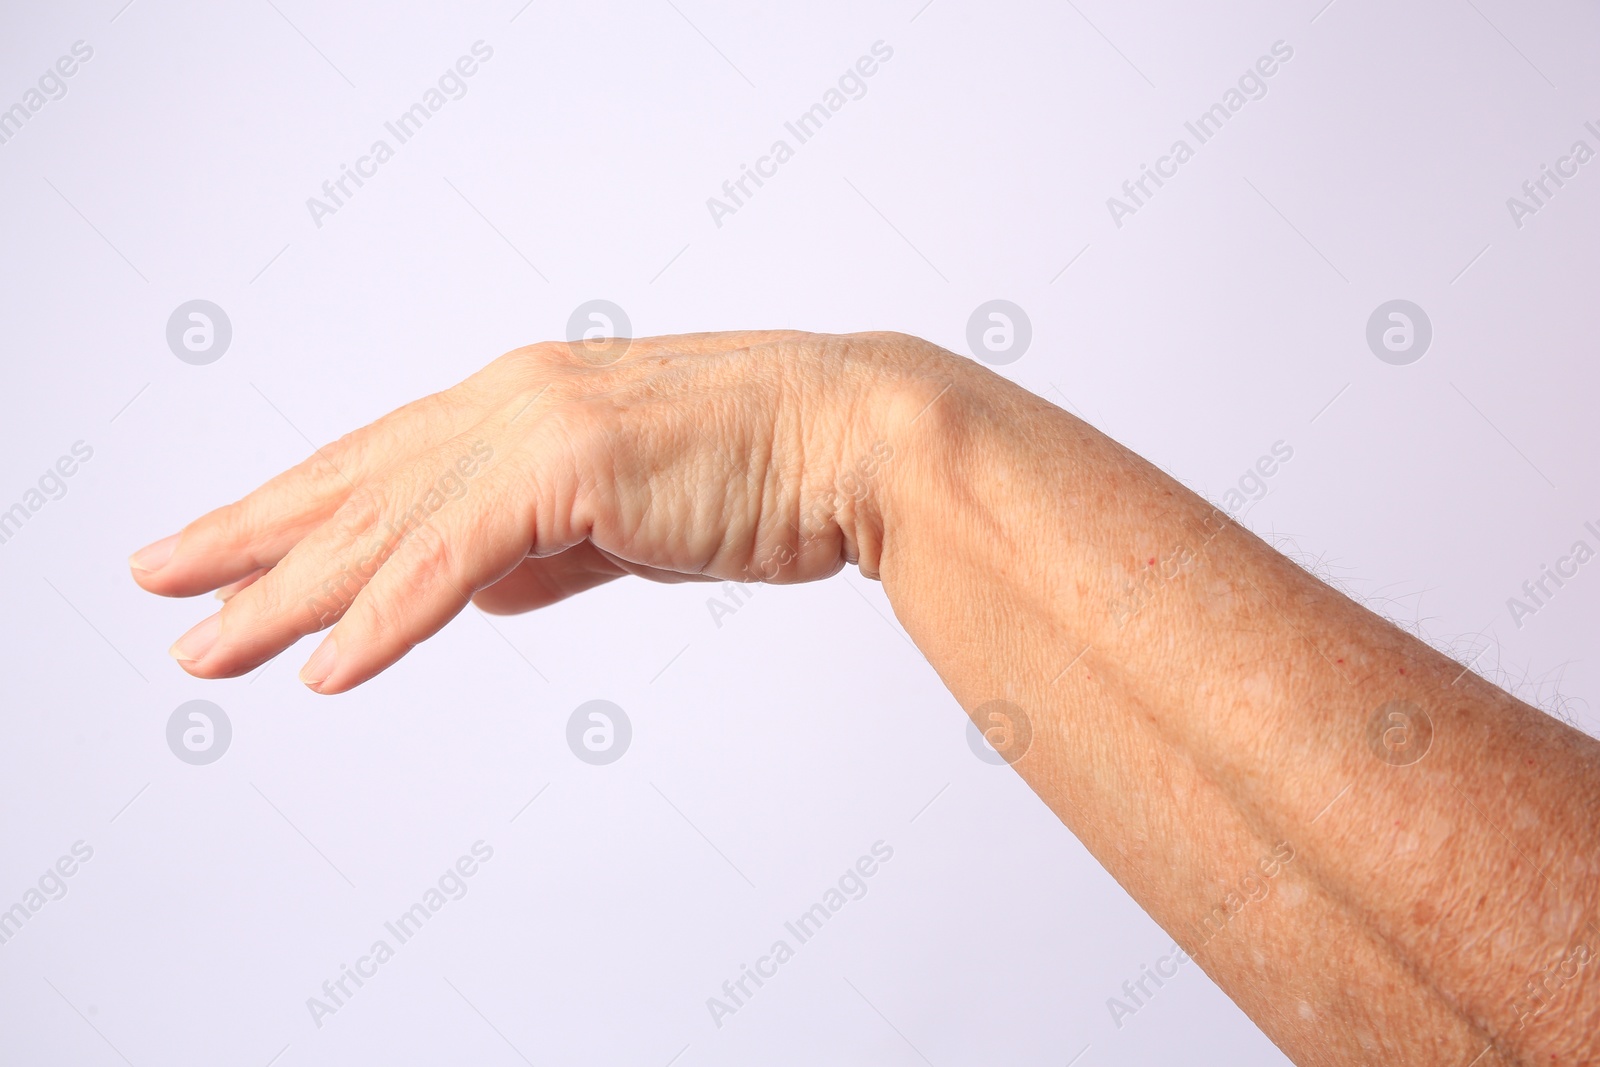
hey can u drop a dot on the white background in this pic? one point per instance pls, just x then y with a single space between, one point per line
769 753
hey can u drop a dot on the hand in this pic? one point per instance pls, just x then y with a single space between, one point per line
1226 720
742 456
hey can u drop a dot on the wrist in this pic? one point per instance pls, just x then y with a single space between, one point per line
897 427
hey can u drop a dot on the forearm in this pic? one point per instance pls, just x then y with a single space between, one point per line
1202 709
1200 706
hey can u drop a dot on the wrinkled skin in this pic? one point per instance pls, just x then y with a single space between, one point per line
689 458
1202 710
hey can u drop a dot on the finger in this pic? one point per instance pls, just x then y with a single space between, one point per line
540 581
437 572
227 592
537 582
257 531
316 582
424 583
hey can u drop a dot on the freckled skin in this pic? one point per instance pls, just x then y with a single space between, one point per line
1432 907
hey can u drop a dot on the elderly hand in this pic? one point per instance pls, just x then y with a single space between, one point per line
743 456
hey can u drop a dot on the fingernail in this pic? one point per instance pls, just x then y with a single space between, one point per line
320 665
154 557
197 642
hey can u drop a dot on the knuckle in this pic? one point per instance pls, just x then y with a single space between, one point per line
250 528
421 559
322 473
425 557
360 512
241 526
530 361
564 393
271 604
580 428
233 524
374 614
321 606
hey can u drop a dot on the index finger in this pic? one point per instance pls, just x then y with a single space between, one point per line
258 530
